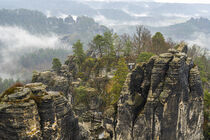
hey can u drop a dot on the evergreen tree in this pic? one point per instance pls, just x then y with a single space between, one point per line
79 52
109 44
56 64
158 43
97 45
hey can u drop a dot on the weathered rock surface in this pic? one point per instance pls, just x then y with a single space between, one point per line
162 99
32 112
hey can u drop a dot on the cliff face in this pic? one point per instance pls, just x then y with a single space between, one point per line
162 99
31 112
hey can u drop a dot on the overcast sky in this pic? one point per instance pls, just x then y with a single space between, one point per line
168 1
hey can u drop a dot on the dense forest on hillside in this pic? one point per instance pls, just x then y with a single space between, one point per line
38 23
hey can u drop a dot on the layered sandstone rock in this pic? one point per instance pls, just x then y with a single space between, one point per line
162 99
31 112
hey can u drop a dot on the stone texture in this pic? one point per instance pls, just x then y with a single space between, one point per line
162 99
32 112
55 81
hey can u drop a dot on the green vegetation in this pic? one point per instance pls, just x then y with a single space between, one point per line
79 52
144 57
36 59
56 64
159 44
118 81
80 95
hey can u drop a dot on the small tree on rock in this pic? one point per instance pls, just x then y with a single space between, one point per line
79 52
56 64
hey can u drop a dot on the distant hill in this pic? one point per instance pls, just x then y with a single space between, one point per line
35 22
116 12
185 31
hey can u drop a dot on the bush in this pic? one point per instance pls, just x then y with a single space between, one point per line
80 95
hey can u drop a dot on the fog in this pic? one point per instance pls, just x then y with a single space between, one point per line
15 42
146 22
200 39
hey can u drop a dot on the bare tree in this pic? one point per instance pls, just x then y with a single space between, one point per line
142 39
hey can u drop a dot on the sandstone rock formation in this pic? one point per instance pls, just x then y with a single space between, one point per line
32 112
162 100
56 81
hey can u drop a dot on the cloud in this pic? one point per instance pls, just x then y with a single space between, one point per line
176 15
135 14
62 15
16 38
143 20
105 21
48 13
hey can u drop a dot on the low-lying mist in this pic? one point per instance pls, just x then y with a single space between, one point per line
16 43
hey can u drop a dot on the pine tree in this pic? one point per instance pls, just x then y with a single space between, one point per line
56 64
79 52
158 43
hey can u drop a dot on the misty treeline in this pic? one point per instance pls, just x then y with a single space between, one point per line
130 46
39 59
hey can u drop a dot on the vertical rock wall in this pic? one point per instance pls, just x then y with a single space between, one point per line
162 99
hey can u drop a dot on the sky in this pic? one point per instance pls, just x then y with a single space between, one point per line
167 1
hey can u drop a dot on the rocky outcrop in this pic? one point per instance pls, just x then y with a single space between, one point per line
61 80
32 112
162 99
54 82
